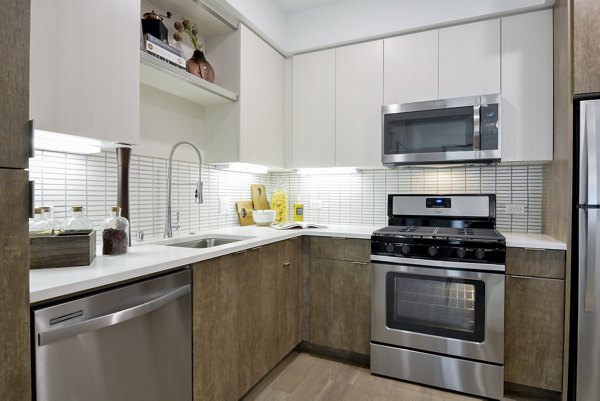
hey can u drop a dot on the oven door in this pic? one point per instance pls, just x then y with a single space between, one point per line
442 310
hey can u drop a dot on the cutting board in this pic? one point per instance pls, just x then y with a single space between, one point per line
259 197
244 210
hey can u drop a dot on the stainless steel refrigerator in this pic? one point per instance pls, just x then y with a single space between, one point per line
585 362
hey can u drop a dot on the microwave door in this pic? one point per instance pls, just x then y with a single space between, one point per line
430 131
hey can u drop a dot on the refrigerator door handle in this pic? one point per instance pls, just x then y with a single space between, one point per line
588 258
583 155
592 124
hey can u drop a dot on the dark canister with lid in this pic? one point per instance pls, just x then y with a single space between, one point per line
115 233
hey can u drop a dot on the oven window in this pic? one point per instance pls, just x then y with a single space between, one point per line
431 131
446 307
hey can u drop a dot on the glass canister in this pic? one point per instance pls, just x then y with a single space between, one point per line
279 203
115 233
48 216
77 223
38 226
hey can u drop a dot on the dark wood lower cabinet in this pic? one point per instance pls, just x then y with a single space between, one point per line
534 332
15 361
340 304
247 317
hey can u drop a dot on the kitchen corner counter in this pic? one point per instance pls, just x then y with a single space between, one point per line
150 258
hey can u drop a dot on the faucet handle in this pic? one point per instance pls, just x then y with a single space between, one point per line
199 198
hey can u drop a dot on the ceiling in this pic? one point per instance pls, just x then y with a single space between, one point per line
299 26
293 6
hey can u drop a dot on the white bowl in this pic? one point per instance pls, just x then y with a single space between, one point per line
264 217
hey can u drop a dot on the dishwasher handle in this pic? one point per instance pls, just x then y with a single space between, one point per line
59 333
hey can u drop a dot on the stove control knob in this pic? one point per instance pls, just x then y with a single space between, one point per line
432 251
479 253
461 252
390 248
405 249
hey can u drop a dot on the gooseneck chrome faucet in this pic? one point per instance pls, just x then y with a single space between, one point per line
198 194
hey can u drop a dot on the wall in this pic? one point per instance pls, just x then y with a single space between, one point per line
64 180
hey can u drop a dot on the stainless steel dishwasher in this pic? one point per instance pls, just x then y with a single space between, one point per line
126 344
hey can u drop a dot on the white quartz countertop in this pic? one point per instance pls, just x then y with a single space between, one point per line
150 258
533 241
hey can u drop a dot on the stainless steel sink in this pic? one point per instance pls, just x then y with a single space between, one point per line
205 242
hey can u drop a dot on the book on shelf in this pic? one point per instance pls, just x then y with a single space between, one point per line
163 51
296 224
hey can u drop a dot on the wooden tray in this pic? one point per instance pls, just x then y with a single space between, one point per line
62 250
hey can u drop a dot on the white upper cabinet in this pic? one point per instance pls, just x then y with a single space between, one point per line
358 101
85 68
251 129
313 116
527 93
411 68
261 97
469 61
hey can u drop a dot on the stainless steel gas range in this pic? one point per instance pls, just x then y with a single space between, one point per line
437 295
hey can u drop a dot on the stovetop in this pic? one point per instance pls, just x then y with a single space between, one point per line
441 227
472 234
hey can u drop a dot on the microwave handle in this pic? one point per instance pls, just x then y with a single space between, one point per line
476 128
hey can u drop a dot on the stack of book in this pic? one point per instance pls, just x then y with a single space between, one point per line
163 51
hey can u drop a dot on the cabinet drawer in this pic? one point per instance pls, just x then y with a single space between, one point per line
535 262
358 250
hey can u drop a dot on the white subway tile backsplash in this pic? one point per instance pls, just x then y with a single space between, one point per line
64 180
368 190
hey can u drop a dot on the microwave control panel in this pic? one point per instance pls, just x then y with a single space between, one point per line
488 115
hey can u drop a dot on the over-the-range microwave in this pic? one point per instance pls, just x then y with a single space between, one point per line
465 129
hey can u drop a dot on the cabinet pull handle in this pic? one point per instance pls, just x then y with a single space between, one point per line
292 239
256 248
523 277
535 249
31 129
340 238
239 252
31 198
360 263
286 264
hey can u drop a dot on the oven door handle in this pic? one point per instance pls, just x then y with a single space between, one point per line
439 264
488 277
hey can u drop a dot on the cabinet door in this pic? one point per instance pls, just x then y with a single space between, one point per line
533 339
527 68
14 85
469 59
219 304
313 116
340 304
261 336
586 46
410 68
15 368
85 68
358 101
261 97
290 294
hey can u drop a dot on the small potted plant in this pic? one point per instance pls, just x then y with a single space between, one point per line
197 65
